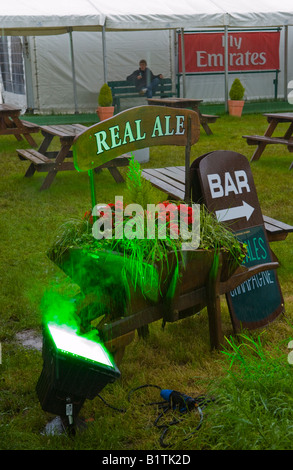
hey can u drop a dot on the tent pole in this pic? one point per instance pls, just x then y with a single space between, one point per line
30 102
285 61
226 68
183 63
104 54
73 71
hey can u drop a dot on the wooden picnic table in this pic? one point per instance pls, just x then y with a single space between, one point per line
54 161
11 124
192 103
263 140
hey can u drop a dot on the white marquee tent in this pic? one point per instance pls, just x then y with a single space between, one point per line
146 26
32 17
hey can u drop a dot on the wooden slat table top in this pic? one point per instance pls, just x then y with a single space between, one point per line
161 174
175 102
8 108
65 130
170 180
286 117
268 140
175 173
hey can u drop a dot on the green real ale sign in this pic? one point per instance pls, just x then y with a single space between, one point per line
134 129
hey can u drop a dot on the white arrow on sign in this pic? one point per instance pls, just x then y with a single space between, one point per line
235 212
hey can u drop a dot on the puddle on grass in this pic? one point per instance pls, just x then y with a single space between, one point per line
30 339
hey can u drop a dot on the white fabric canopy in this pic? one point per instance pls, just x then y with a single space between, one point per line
35 17
258 13
196 14
166 14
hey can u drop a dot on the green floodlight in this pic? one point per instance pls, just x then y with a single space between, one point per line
75 368
69 342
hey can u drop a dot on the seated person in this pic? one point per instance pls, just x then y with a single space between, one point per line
144 79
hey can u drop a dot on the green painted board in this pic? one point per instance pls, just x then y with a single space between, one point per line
258 300
133 129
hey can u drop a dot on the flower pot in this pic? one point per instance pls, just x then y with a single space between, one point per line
235 107
105 112
105 276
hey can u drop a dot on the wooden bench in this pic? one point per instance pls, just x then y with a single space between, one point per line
39 161
262 141
258 139
125 89
43 163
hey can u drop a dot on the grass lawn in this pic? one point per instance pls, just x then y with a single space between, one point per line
250 377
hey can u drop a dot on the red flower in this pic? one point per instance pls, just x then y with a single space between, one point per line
89 217
165 203
174 229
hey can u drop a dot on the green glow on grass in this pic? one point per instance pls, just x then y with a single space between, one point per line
68 341
59 309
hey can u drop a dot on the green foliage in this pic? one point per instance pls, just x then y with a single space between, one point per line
237 90
254 404
139 190
216 236
105 96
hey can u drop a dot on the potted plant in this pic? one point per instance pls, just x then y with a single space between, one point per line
105 109
236 102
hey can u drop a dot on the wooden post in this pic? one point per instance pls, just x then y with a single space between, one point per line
187 162
92 186
213 302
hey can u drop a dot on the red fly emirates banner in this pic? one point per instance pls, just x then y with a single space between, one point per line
204 52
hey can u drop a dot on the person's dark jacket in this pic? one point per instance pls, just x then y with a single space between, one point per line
147 78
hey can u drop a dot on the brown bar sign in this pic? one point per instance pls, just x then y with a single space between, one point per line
228 190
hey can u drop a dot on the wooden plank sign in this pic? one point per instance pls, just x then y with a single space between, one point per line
228 190
133 129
